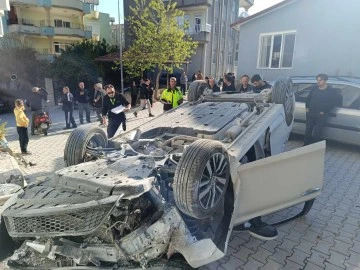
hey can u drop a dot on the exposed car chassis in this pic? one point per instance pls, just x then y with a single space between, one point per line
175 185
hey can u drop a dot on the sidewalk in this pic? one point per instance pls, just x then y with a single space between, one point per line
48 151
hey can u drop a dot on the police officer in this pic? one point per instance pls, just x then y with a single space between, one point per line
172 97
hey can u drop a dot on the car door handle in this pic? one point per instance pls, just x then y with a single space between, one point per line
310 191
331 114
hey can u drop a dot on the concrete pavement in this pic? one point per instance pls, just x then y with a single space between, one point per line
327 238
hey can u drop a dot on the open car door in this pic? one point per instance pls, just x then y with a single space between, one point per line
278 182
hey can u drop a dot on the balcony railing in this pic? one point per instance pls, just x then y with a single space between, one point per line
200 32
192 3
49 28
73 4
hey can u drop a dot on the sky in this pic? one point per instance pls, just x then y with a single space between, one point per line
111 7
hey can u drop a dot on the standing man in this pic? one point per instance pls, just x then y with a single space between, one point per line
145 91
111 101
228 85
83 102
172 97
183 82
134 93
259 84
320 101
213 86
68 108
98 100
244 85
36 101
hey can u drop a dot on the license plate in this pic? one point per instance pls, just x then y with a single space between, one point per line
43 125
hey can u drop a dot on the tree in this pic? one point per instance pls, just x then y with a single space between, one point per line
157 38
77 63
20 68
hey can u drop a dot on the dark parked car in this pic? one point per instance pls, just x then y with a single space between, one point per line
4 106
343 123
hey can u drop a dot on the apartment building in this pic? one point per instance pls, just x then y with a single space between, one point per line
209 24
116 29
48 25
4 6
100 25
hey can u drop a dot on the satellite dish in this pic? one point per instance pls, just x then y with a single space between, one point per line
13 77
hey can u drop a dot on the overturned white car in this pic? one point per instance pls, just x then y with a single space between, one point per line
169 192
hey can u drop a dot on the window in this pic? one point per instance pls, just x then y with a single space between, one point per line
350 96
59 47
186 22
61 23
197 23
214 55
230 59
276 50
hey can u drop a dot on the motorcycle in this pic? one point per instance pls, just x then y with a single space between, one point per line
42 123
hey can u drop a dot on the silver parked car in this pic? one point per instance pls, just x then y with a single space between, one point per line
343 123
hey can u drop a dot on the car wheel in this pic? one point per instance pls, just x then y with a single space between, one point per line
79 140
282 93
307 207
201 178
195 90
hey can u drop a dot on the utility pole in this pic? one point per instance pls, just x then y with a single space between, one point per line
120 51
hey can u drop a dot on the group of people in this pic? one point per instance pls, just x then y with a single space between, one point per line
228 83
103 100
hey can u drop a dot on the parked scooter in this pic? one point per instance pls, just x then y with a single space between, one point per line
42 123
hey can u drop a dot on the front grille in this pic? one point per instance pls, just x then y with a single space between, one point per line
76 222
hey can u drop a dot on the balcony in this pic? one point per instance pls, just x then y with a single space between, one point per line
77 5
48 28
65 4
246 4
184 4
200 33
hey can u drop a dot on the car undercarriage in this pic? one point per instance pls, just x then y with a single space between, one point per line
169 191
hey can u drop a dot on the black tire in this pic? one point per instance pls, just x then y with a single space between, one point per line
7 244
195 90
282 93
79 139
195 185
45 132
307 207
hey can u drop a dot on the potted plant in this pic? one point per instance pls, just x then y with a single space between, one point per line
3 142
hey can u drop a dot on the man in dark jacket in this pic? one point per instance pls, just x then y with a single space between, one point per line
244 85
98 100
111 101
36 102
134 90
83 103
259 83
213 86
320 101
68 108
145 92
228 85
